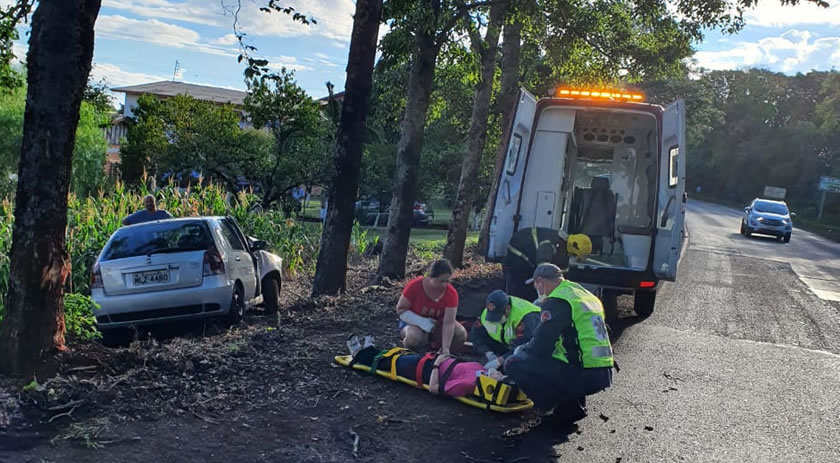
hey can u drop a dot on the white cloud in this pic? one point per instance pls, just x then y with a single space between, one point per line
288 62
115 76
228 39
155 32
19 50
773 14
793 51
193 11
334 18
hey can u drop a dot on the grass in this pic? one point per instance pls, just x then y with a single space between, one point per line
428 243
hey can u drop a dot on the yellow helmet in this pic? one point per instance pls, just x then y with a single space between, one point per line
579 245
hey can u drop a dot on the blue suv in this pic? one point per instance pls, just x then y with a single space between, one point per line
767 217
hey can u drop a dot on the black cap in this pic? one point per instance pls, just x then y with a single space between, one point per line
500 301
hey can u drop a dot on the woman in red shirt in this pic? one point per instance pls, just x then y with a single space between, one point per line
427 310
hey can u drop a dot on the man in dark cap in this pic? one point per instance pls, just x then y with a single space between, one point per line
505 323
570 355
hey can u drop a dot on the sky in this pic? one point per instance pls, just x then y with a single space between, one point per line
140 41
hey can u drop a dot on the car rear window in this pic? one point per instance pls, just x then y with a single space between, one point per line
771 208
156 238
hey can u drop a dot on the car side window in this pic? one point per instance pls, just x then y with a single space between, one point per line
231 236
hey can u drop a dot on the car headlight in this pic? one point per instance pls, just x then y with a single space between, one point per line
785 221
760 219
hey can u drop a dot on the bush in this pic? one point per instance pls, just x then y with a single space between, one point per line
78 316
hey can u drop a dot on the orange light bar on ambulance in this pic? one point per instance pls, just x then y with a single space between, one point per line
607 94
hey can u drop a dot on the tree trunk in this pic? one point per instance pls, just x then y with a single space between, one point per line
58 64
331 270
401 217
507 101
457 236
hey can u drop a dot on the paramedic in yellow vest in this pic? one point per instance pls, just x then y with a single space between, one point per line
570 356
505 323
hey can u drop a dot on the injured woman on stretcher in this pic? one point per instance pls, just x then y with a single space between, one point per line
443 374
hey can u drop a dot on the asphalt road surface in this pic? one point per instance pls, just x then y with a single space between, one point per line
740 361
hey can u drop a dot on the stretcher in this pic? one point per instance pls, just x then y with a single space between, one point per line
489 394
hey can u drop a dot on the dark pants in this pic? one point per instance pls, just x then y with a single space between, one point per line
550 382
482 342
517 271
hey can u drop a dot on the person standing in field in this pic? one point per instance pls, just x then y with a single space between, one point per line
149 214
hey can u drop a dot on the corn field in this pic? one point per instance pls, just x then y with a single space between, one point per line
92 220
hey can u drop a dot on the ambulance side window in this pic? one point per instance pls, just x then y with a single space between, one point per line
673 175
513 154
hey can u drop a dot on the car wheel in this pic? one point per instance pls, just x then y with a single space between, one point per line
237 306
115 337
643 303
742 228
747 231
271 294
786 239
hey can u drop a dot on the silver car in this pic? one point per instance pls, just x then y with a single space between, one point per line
767 217
181 269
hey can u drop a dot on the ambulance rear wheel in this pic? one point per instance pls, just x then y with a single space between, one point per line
643 303
610 301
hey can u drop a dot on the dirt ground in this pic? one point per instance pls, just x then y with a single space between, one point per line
265 391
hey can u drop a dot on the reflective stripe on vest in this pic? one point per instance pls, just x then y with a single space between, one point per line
520 254
505 333
588 321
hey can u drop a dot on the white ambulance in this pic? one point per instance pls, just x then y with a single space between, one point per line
602 163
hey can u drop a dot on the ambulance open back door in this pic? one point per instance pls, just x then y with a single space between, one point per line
670 207
510 182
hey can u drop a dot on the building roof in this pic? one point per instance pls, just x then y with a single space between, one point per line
200 92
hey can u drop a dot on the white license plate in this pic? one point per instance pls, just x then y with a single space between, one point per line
151 278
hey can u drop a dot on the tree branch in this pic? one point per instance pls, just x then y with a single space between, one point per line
461 9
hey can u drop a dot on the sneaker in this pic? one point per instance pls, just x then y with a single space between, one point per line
353 344
368 341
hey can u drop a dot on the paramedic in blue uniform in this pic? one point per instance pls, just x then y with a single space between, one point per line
528 248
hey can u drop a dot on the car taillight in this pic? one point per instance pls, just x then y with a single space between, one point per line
647 284
96 277
213 263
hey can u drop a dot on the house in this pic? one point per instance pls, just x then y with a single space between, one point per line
168 89
164 89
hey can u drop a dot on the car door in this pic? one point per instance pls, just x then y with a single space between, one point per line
242 261
670 223
510 180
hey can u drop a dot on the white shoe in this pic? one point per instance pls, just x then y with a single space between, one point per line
353 344
368 341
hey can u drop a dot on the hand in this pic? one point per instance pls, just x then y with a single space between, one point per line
440 358
493 364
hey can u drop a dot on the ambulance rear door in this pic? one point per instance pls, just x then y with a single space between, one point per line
670 208
510 180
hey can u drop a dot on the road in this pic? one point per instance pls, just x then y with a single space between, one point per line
815 260
739 362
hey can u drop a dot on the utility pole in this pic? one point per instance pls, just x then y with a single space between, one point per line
175 73
822 204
